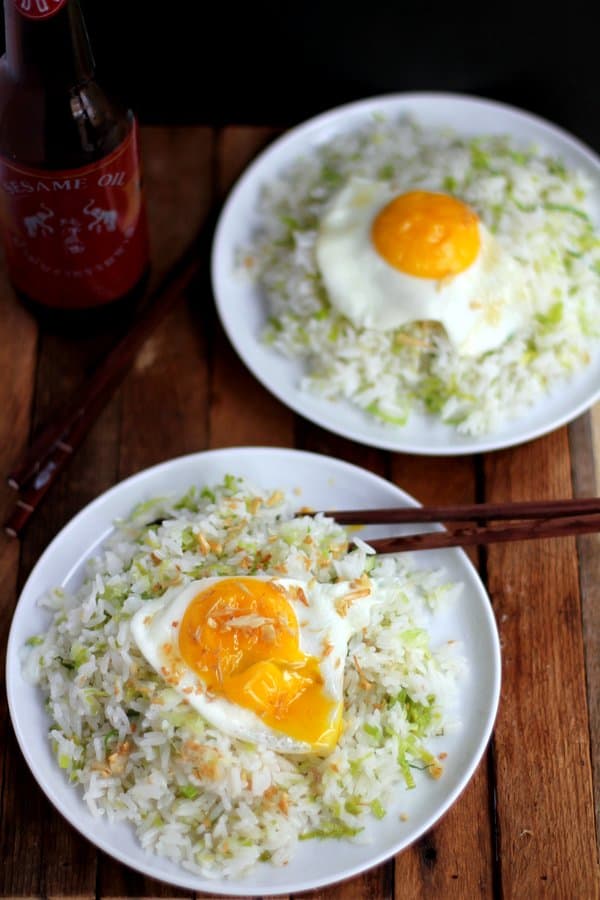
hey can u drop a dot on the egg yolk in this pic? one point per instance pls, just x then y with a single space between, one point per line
241 637
427 234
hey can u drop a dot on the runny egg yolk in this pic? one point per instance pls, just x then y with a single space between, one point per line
427 234
241 637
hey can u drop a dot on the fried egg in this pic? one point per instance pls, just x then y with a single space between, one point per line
387 260
260 658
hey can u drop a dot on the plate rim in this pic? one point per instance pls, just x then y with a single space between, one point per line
301 402
188 879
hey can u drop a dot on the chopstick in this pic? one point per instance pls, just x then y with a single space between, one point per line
49 453
465 537
531 520
536 509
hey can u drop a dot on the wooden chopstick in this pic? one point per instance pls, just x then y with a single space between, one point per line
465 537
50 452
537 509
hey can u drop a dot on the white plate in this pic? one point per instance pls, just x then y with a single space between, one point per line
242 307
324 482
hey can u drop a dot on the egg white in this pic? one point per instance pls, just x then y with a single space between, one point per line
321 626
479 308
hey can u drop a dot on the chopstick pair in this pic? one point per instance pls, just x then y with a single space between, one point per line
527 520
51 450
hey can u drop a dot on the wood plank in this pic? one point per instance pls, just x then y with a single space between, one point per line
376 884
317 440
47 856
544 785
585 463
165 397
117 881
595 430
49 853
455 858
164 409
18 341
242 412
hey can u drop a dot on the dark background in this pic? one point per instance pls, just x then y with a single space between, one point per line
278 63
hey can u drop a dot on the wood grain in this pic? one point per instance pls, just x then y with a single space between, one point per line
242 412
165 397
455 858
543 770
49 856
586 483
17 360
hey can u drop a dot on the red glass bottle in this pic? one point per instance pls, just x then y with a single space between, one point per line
71 201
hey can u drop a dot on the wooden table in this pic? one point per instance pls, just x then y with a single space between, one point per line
525 826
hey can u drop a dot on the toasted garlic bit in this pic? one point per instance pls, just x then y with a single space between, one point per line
203 544
409 341
338 550
361 587
436 770
365 684
275 498
254 505
205 759
363 582
118 759
295 592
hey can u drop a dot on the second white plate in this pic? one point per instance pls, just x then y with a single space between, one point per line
320 482
242 307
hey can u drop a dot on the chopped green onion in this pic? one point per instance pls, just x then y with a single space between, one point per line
188 791
109 736
34 641
377 809
373 731
334 830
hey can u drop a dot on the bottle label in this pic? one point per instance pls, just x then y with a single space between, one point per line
39 9
75 238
